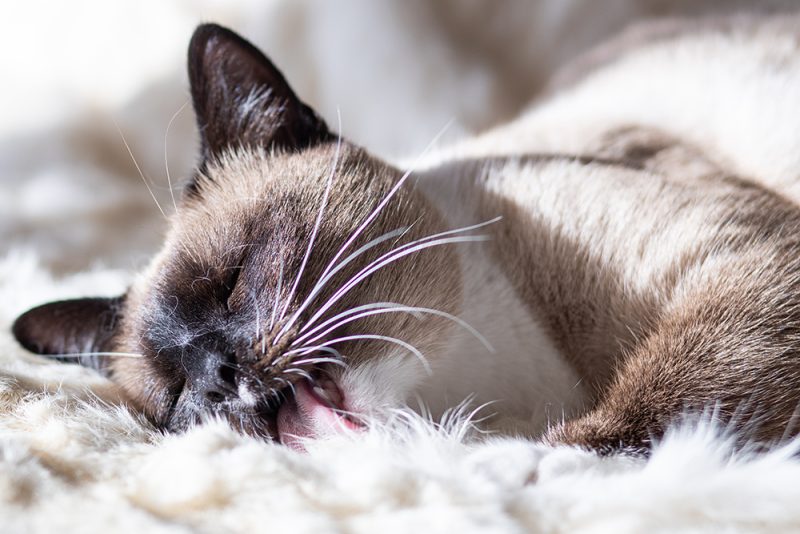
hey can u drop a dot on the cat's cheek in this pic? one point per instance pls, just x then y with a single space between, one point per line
143 389
375 386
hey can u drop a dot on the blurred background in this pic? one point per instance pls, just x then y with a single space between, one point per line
77 76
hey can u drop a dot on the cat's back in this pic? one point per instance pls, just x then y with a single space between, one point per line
725 88
660 172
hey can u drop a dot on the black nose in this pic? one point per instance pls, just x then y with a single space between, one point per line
213 378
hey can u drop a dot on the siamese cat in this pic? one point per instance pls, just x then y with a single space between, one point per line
624 253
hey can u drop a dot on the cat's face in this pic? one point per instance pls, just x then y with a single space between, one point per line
299 286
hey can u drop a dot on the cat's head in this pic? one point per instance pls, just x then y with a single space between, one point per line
301 278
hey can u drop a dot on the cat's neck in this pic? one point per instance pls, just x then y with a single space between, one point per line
590 285
528 371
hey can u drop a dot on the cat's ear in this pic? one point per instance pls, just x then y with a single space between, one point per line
68 328
241 98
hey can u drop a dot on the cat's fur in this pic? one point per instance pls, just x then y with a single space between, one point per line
646 263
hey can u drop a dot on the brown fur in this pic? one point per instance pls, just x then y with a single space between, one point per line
719 325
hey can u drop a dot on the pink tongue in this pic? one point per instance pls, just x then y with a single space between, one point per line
306 415
291 425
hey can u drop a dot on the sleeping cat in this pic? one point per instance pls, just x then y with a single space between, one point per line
623 254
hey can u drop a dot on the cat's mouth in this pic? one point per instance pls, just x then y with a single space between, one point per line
312 407
316 408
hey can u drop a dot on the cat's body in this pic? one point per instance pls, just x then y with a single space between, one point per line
655 242
646 263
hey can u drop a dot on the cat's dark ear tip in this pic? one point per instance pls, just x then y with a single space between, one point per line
24 330
68 326
206 32
210 28
202 36
210 32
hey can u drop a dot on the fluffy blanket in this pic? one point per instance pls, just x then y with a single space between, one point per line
76 219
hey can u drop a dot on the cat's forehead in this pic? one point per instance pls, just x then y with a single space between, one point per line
255 183
272 200
244 178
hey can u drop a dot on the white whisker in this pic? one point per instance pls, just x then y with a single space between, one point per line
327 274
414 310
388 339
258 313
314 348
92 354
277 297
286 383
166 159
383 262
317 288
351 311
296 371
386 199
130 153
398 253
315 361
317 223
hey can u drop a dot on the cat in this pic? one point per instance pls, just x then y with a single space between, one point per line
623 254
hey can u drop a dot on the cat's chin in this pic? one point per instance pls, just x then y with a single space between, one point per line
314 411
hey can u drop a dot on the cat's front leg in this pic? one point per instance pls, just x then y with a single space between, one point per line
727 353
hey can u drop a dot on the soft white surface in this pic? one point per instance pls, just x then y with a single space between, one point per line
75 219
82 465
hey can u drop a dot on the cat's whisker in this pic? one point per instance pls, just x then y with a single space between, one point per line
291 386
389 235
362 316
166 157
277 298
308 349
98 354
397 232
417 312
343 314
317 223
326 273
281 380
274 394
298 371
428 240
314 361
409 347
383 262
439 235
254 299
130 153
386 199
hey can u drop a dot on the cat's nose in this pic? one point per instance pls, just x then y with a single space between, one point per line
214 379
